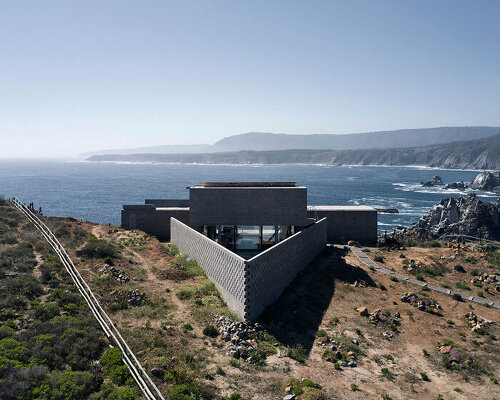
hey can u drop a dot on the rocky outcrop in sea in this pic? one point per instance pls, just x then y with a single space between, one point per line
489 181
465 215
436 181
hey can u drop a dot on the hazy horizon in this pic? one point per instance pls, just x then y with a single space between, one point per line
86 76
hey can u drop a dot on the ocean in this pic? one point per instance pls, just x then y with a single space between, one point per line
96 191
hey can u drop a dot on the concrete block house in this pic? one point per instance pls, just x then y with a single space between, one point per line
251 238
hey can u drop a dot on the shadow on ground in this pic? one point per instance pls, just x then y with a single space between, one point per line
295 317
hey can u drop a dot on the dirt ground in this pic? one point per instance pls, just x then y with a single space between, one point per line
319 306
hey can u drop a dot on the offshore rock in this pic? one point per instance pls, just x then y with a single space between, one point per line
457 185
436 181
489 181
466 215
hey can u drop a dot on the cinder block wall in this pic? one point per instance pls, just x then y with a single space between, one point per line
151 220
249 286
225 268
347 223
248 206
270 272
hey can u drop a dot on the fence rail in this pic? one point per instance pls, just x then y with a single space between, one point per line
147 386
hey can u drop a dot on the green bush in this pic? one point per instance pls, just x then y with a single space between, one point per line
379 259
189 391
113 365
462 285
98 248
210 331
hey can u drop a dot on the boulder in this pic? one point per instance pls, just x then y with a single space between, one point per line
489 181
457 186
363 311
436 181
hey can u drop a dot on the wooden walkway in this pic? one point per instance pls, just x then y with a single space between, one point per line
370 263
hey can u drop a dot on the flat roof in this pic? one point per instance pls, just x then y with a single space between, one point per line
247 184
340 208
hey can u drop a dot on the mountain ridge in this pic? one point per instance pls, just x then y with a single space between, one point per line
263 141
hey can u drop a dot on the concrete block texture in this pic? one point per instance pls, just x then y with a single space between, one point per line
249 286
225 268
357 223
270 272
154 221
248 205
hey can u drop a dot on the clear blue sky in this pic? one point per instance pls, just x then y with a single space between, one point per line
84 75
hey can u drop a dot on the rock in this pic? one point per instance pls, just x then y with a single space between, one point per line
459 268
466 215
387 334
489 181
445 349
436 181
157 372
363 311
344 364
289 397
323 340
353 243
457 186
352 364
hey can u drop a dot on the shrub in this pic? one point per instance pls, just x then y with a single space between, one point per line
235 396
354 387
296 353
170 249
424 377
321 333
378 259
456 297
234 363
219 370
474 272
394 279
210 331
419 277
189 391
108 260
459 268
462 285
98 248
381 286
405 261
113 365
426 353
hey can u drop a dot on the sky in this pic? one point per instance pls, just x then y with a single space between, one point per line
78 76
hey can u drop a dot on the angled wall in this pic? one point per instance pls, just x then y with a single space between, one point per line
249 286
270 272
225 268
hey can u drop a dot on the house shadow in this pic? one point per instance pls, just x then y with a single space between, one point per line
296 316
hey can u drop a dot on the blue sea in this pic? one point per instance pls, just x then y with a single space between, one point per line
96 191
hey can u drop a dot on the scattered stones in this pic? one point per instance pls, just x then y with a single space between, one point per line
422 303
116 273
477 321
360 283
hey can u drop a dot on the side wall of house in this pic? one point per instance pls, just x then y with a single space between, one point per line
347 223
271 271
151 220
223 267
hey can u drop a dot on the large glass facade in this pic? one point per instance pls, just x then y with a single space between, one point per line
248 240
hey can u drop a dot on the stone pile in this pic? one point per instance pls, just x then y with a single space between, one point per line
477 321
134 298
241 336
334 353
421 303
116 273
377 316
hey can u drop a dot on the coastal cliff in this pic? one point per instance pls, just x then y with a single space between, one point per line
474 154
